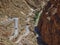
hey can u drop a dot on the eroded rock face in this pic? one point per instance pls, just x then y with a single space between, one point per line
49 23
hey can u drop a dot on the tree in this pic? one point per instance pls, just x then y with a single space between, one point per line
49 23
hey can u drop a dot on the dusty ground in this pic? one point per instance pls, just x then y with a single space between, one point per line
21 9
